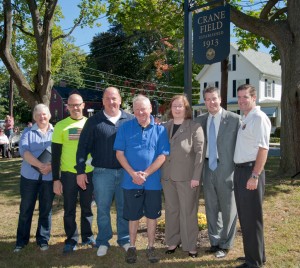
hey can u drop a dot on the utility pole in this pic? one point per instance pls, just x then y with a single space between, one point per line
11 97
188 51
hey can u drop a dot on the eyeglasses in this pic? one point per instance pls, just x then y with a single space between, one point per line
177 106
139 193
74 105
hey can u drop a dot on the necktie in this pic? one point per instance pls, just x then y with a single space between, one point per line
212 162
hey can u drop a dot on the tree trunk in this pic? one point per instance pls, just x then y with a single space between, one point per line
290 110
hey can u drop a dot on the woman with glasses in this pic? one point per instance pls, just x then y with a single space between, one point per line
180 177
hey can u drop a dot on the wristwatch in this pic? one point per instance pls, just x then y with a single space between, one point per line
254 176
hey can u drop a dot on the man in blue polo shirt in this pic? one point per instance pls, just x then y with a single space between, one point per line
141 147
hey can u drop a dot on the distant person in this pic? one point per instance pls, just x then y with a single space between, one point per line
36 181
29 125
218 170
250 156
141 148
180 178
9 125
4 144
97 138
64 146
14 141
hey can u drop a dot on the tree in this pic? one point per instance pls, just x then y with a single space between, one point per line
34 21
118 53
22 110
278 22
165 18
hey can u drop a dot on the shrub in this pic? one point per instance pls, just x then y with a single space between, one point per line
202 223
277 132
274 140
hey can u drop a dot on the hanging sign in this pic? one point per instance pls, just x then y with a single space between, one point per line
211 35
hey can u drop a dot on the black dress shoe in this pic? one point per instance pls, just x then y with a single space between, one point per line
171 251
193 255
241 258
212 249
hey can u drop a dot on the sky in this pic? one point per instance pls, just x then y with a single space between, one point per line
82 36
85 36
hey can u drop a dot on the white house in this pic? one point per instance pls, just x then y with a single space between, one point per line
249 67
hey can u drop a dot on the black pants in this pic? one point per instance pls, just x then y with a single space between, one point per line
250 213
4 149
70 193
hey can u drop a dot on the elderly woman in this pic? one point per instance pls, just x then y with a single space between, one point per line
180 177
36 180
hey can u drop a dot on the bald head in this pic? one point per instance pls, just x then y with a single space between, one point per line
75 106
112 101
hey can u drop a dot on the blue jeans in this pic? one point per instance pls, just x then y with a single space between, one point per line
30 190
107 186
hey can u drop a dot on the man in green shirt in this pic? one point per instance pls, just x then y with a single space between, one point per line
64 146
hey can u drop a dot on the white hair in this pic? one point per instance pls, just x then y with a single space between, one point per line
41 108
141 98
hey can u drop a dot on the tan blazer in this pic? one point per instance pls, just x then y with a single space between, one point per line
186 157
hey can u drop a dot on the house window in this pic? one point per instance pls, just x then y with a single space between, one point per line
269 88
232 63
209 84
237 83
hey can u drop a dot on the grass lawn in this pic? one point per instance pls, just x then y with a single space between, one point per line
282 232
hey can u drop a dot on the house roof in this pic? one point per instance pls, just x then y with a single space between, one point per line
262 61
86 94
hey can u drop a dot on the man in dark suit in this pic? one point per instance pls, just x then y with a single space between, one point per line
220 129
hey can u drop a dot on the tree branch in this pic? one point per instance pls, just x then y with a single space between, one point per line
277 32
8 59
278 13
70 32
267 9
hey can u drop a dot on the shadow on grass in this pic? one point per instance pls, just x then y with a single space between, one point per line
31 256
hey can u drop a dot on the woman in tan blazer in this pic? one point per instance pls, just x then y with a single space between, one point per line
180 177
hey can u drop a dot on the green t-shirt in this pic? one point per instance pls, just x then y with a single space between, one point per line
67 132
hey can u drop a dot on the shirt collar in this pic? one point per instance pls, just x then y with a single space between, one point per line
36 127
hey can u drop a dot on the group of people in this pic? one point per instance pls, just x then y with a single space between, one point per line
114 155
5 134
9 137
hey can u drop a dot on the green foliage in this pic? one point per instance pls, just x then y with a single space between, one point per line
37 43
22 112
277 132
274 139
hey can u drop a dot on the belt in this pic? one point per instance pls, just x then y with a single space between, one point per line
246 164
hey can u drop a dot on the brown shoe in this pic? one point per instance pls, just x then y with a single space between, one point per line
150 252
131 255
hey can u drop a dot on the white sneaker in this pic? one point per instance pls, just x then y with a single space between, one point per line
126 246
102 250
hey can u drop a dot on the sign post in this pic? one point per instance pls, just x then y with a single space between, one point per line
211 35
211 39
